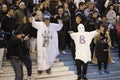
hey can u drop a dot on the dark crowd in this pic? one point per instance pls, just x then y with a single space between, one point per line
18 38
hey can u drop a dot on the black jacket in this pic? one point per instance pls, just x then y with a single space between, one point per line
91 24
15 48
3 42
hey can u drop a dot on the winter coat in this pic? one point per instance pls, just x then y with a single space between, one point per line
101 49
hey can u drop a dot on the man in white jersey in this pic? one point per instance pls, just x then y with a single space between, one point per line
47 42
82 41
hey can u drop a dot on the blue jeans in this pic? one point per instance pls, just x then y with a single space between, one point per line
18 69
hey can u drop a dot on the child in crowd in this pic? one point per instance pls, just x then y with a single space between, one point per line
102 49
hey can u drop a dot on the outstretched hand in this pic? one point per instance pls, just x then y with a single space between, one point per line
70 32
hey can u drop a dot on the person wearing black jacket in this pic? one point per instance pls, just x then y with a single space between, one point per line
25 28
16 54
2 46
90 25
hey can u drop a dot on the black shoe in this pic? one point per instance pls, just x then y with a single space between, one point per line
107 71
84 78
48 71
40 72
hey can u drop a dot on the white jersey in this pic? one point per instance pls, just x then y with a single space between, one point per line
82 45
47 43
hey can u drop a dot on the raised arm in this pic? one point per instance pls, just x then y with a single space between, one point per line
58 26
36 24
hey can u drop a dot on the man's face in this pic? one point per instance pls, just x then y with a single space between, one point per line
22 6
11 12
78 20
19 36
4 8
60 11
47 22
103 19
95 15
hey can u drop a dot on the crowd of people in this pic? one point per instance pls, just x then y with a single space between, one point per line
37 30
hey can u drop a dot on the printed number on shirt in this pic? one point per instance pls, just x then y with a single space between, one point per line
82 39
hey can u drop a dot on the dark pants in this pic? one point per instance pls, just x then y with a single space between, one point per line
119 50
18 69
100 65
73 49
92 46
27 62
119 46
102 59
64 39
112 36
79 64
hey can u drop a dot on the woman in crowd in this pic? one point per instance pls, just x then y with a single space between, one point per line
78 20
102 50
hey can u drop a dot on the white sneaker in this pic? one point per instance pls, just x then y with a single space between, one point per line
63 52
113 61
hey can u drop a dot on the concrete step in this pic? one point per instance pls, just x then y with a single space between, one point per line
66 77
9 70
42 76
34 64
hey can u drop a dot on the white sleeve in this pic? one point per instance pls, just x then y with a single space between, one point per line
58 26
73 35
93 34
35 24
106 3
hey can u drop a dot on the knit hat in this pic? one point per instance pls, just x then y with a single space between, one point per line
46 17
22 3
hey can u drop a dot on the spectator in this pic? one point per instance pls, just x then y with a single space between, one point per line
72 9
111 18
100 5
47 42
25 28
77 2
78 20
3 12
46 9
91 25
118 36
20 13
102 50
82 54
63 33
9 26
2 46
16 54
80 11
91 8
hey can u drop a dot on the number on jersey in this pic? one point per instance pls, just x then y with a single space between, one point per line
82 39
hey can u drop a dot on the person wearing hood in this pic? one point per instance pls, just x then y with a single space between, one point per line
47 42
82 41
